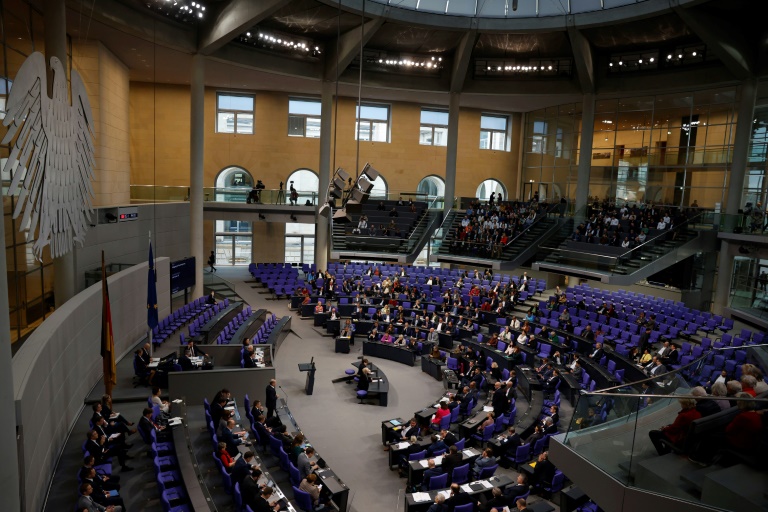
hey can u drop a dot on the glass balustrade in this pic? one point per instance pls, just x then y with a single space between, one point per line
610 428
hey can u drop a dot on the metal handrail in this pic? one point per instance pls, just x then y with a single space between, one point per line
536 221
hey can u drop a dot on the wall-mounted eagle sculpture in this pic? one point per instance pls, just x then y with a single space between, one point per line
51 156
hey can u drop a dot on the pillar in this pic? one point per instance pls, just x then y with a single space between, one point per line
724 271
585 151
741 141
322 226
452 150
196 153
56 46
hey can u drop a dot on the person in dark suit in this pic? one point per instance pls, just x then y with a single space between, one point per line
499 401
458 497
100 492
497 501
550 385
186 363
451 460
109 481
520 488
146 425
194 351
598 352
87 503
217 409
232 438
249 488
262 430
97 446
271 400
262 502
242 467
671 357
248 361
543 472
437 445
429 473
509 443
448 438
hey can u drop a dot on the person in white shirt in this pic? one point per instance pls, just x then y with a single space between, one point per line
625 243
522 339
515 323
156 400
506 334
661 225
615 221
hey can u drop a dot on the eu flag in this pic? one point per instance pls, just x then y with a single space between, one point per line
151 292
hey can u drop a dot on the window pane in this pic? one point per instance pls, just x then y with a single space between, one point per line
499 141
245 123
309 249
379 132
493 122
425 135
228 102
313 127
363 130
434 117
296 126
485 139
441 136
539 127
243 250
226 122
308 107
371 112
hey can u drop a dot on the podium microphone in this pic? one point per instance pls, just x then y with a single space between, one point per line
285 400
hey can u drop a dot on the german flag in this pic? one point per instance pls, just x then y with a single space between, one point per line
107 337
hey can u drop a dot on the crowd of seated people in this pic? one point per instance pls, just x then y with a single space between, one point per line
629 225
487 228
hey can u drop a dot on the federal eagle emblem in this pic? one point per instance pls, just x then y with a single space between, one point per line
51 156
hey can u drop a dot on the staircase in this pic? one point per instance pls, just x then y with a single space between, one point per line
640 263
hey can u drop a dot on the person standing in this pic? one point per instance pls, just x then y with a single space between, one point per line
271 400
212 261
294 195
280 195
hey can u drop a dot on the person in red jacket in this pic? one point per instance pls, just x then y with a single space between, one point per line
675 433
743 432
441 413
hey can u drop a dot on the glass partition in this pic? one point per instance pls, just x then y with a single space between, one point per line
621 430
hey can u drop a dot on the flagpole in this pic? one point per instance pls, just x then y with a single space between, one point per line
149 329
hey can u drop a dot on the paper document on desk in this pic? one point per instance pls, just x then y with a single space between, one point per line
401 446
486 484
178 401
419 497
466 488
114 415
230 408
468 453
423 463
446 493
394 422
174 421
114 436
487 408
438 460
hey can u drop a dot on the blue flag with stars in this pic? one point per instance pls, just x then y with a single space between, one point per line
151 292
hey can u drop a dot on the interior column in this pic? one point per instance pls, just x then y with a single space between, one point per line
585 151
196 154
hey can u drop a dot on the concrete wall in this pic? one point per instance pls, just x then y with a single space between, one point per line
57 366
128 242
195 386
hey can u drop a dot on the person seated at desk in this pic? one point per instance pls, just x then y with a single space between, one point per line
185 362
522 339
112 426
146 425
243 467
497 502
250 488
257 409
261 503
509 441
305 465
437 445
645 358
458 497
400 341
156 400
506 334
486 459
307 299
438 505
309 485
598 352
262 429
224 456
232 438
386 337
435 353
495 371
296 448
141 365
493 341
346 332
334 314
448 437
440 413
113 438
319 309
97 446
249 358
194 351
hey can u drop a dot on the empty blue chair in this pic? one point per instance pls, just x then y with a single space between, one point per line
438 482
460 475
486 435
487 472
303 499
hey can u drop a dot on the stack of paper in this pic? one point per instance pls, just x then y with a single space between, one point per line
446 493
487 408
486 484
174 421
178 401
468 453
424 463
438 460
402 446
420 497
466 488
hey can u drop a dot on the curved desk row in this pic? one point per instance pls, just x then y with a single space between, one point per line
249 328
379 385
390 351
217 323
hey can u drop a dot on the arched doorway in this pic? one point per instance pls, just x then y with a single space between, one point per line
380 188
432 186
233 238
490 186
306 182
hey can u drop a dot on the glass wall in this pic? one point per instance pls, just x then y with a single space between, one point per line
670 149
299 243
30 282
233 242
550 152
754 182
